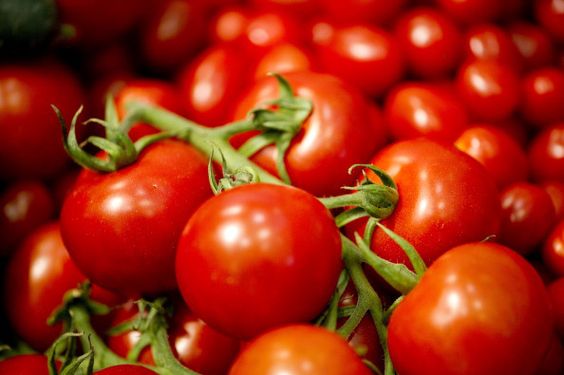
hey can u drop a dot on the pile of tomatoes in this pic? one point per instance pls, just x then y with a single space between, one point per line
279 258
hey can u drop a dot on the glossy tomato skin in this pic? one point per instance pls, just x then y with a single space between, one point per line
527 216
125 370
284 58
354 53
553 363
121 228
553 250
550 15
342 119
415 109
454 322
446 199
24 205
543 94
25 364
533 44
472 11
545 156
258 256
299 349
431 42
498 152
489 88
37 277
370 11
26 118
491 42
556 191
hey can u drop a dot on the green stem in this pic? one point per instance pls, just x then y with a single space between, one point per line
166 362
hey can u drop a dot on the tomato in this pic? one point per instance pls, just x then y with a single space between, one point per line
473 11
556 293
500 154
258 256
545 154
556 192
354 11
355 52
149 91
299 349
479 309
24 206
268 28
31 143
173 33
125 370
300 8
553 249
194 343
228 25
341 120
84 16
446 198
121 228
543 94
533 44
37 277
284 58
418 109
431 42
553 363
527 216
25 364
491 42
550 15
211 84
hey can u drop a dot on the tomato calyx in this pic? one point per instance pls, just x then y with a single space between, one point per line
230 178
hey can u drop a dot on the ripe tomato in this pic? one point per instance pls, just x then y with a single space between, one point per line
125 370
553 250
556 192
431 42
479 309
446 198
533 43
545 154
121 228
553 363
342 119
194 343
550 15
228 25
31 144
24 206
489 89
299 349
500 154
556 293
25 364
527 216
355 52
418 109
37 277
491 42
283 58
258 256
543 94
473 11
268 28
354 11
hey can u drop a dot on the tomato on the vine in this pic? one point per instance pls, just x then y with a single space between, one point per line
125 370
25 364
258 256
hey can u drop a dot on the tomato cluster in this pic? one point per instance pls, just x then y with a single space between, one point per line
275 186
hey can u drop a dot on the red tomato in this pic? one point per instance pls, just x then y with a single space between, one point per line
299 8
284 58
431 42
125 370
446 199
121 228
341 120
417 109
24 206
174 32
527 216
550 14
545 154
355 11
228 25
299 349
556 293
194 343
553 363
491 42
356 52
37 277
268 28
489 89
31 143
473 11
500 154
533 43
211 84
553 250
479 309
258 256
543 95
25 364
149 91
556 192
86 16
